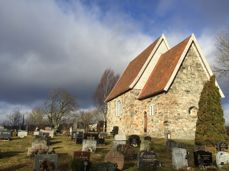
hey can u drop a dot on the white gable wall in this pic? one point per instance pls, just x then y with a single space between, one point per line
163 47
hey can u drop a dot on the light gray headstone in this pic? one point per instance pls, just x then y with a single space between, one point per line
89 145
222 158
179 158
119 139
22 134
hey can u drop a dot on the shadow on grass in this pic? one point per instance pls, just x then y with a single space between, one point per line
54 148
55 142
13 168
9 154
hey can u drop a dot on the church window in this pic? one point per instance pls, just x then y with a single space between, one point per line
151 109
118 108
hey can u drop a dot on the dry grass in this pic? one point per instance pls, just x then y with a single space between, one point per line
13 154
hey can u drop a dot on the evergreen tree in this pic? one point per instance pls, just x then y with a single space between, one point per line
210 123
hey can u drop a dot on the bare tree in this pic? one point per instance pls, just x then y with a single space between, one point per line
59 104
106 83
223 54
36 117
15 120
87 118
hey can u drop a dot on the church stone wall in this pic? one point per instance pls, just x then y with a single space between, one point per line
174 111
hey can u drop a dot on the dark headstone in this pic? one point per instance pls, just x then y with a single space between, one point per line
114 130
134 140
202 158
147 161
46 162
221 146
83 155
106 167
79 137
5 135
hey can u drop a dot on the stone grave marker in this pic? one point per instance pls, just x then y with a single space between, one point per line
39 145
202 158
5 135
179 158
115 130
119 139
134 140
82 160
79 137
221 146
115 157
89 145
128 151
147 161
22 134
45 162
83 155
108 166
222 158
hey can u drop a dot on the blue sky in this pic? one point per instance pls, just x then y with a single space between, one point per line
68 43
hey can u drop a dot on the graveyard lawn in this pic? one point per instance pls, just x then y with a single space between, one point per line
13 154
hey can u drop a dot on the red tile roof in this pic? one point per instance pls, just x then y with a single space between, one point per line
131 72
163 70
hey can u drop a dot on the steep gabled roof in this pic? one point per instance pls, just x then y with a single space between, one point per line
163 70
167 67
131 72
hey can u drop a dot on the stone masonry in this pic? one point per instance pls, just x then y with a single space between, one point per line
174 110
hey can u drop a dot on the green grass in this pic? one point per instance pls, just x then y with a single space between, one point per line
13 154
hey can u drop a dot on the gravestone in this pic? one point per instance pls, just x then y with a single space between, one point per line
179 158
221 146
108 166
79 137
39 146
114 130
22 134
101 137
222 158
119 139
115 157
134 140
145 145
89 145
83 155
45 162
36 133
5 135
202 158
147 161
128 151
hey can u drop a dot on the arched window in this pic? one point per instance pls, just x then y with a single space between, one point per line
118 108
151 109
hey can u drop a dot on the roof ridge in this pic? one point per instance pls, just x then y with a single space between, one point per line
131 72
158 79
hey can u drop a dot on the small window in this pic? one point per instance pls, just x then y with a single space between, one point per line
151 110
193 111
118 108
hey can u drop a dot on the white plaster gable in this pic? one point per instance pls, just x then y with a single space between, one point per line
161 47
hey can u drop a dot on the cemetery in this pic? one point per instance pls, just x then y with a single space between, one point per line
121 152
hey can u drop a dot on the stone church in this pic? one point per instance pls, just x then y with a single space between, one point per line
159 91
